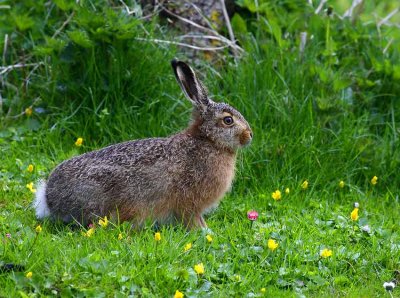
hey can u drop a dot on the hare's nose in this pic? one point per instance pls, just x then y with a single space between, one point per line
246 137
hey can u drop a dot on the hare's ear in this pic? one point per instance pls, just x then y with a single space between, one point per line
191 86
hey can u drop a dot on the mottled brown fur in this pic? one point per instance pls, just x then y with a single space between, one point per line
173 179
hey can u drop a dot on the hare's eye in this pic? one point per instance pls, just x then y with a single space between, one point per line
228 120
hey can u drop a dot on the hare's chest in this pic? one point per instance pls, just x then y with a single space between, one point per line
222 175
218 179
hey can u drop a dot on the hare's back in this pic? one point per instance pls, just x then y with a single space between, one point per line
120 160
103 179
128 153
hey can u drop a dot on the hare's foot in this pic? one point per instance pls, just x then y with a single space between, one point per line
202 222
194 222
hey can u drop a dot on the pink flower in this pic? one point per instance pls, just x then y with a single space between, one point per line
252 215
8 235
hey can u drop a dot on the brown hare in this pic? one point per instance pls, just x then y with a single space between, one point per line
174 179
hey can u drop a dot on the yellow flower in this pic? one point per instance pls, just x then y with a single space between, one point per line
287 191
326 253
263 290
38 229
272 244
276 195
374 180
199 268
354 214
103 222
30 168
30 187
209 238
120 237
29 274
207 56
341 184
187 247
78 142
215 16
304 185
157 236
178 294
28 111
89 232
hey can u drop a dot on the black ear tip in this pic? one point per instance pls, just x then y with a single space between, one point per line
174 62
177 63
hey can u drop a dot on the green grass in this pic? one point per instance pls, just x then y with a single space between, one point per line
237 262
321 116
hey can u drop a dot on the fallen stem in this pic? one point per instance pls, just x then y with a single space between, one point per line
183 44
58 31
4 69
228 25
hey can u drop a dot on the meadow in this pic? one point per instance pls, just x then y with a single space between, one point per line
321 171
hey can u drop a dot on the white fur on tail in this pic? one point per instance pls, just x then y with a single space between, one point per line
40 203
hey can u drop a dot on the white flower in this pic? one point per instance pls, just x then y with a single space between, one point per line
356 205
366 229
389 286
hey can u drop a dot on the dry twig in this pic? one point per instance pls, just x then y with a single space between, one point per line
64 24
230 30
385 20
349 12
182 44
5 69
320 6
198 10
185 20
387 46
24 112
210 31
303 41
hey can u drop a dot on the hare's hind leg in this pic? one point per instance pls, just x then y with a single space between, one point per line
190 216
202 222
194 222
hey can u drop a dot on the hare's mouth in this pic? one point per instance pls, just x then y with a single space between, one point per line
246 137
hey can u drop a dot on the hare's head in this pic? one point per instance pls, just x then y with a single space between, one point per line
218 122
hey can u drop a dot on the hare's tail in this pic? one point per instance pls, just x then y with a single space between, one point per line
40 202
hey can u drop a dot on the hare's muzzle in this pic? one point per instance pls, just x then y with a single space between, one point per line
245 137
